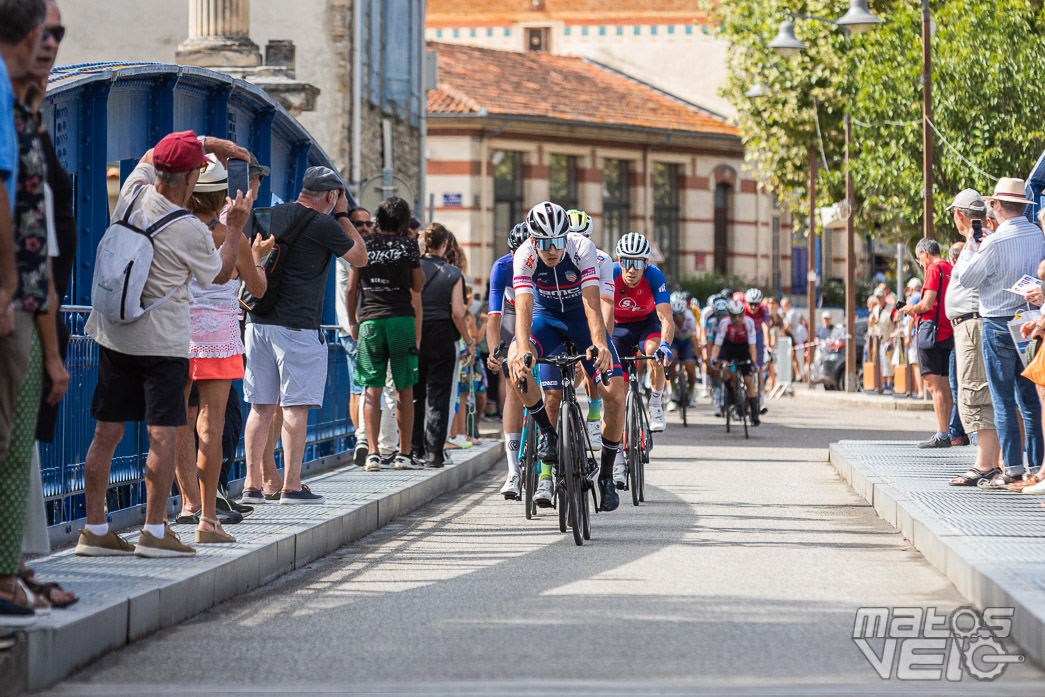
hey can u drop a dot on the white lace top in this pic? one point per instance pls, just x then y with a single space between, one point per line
214 320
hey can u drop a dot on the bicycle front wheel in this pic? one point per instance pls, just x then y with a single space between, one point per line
529 468
743 416
568 470
633 454
727 402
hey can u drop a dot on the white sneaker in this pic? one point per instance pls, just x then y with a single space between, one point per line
656 419
545 493
671 406
510 490
1038 488
405 462
595 434
373 463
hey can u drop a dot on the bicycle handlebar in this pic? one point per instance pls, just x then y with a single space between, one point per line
561 360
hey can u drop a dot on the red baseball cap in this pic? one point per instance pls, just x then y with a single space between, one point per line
178 152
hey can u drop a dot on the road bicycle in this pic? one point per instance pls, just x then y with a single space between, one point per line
638 438
527 453
734 406
577 468
680 392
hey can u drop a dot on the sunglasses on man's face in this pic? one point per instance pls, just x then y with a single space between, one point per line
363 223
637 264
546 243
57 33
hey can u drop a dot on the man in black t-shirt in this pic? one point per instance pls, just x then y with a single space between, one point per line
286 351
388 324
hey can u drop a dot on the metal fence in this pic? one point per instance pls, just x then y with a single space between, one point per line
61 462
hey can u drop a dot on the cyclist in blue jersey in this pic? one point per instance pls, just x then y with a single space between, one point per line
500 327
684 345
556 285
642 312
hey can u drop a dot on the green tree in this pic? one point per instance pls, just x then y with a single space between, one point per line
987 55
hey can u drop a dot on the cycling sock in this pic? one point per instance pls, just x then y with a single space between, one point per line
609 455
540 416
594 410
512 443
99 530
943 435
546 471
654 397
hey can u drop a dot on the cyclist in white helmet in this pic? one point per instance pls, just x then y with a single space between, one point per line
684 345
642 315
557 298
735 341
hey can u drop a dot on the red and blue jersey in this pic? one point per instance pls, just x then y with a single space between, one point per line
636 304
759 314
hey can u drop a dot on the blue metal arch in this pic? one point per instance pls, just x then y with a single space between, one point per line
101 113
104 113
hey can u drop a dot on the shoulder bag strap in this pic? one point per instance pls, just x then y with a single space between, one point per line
299 226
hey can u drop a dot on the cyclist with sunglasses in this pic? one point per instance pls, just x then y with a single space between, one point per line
500 328
556 285
642 312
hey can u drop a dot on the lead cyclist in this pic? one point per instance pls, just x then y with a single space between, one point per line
557 298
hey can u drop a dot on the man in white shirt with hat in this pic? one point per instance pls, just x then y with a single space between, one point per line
992 266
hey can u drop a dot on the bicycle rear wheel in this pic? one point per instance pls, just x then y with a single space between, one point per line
529 468
632 454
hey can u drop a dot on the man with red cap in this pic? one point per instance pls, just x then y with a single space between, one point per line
143 365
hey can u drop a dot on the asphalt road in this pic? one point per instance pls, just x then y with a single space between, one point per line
740 575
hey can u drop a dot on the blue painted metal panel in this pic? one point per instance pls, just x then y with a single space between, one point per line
112 113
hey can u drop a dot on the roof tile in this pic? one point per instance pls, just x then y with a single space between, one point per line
565 88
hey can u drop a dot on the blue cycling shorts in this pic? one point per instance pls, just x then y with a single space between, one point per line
683 350
549 331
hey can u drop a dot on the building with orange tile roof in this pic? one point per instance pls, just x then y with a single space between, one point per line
507 129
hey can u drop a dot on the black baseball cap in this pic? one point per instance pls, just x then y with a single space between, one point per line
256 169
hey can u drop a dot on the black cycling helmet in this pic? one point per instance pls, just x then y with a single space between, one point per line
518 234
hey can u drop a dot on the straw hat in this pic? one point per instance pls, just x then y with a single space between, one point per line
1010 190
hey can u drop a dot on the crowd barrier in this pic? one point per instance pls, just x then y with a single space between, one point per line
61 462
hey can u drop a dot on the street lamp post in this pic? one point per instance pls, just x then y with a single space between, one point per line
850 266
857 20
927 115
811 279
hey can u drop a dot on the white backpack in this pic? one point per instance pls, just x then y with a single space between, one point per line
122 262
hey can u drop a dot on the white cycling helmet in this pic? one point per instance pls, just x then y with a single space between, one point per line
678 306
547 220
580 222
634 245
735 307
753 296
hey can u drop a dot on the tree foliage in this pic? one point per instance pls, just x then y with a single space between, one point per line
987 56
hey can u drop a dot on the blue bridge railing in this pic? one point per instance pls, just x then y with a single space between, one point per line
61 463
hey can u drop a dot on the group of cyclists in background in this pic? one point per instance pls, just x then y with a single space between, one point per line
555 292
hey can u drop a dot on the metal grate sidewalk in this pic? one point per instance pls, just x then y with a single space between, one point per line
989 543
125 598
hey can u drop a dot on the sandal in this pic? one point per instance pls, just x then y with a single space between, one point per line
973 477
47 591
14 588
212 537
1031 480
999 481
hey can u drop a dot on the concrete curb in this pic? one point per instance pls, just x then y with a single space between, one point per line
860 400
66 640
979 577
